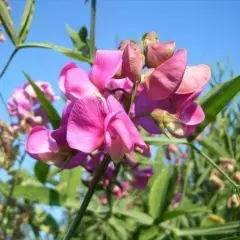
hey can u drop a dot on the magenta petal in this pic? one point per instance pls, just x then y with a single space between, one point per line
166 78
75 161
85 128
135 136
105 66
47 150
61 80
192 114
77 84
194 79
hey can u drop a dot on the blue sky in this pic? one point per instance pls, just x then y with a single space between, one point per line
209 31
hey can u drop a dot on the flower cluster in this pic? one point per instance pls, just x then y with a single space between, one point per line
25 107
106 105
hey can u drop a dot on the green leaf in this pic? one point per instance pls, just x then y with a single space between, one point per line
73 179
41 171
214 148
221 229
162 191
116 224
66 51
74 35
215 101
51 112
83 34
36 194
26 20
148 233
8 24
137 216
180 211
164 140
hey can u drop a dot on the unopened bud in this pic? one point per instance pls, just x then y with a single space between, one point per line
132 62
237 177
217 181
2 37
157 53
233 201
227 164
123 44
172 148
150 37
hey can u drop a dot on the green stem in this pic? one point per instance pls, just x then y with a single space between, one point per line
93 29
215 166
9 61
12 188
133 95
98 174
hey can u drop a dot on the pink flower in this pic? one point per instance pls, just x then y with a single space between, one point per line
141 177
179 114
161 82
2 37
74 82
96 123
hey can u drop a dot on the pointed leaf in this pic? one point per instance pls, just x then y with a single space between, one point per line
51 112
7 23
26 20
41 171
162 191
215 101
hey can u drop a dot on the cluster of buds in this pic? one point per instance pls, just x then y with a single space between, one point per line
228 165
2 36
7 151
25 107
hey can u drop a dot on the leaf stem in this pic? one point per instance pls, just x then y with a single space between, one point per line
98 174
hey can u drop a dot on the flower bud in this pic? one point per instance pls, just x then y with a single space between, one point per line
123 44
132 62
233 201
227 164
150 37
217 181
237 177
172 148
157 53
2 37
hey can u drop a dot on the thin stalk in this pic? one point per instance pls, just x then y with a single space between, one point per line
93 29
98 174
216 166
12 188
9 61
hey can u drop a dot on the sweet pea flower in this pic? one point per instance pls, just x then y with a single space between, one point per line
179 114
99 123
75 83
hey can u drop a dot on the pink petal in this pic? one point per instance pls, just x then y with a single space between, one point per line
194 79
85 128
61 80
40 145
105 66
77 84
136 138
157 53
166 78
192 114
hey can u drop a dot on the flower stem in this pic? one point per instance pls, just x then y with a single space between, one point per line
98 174
93 29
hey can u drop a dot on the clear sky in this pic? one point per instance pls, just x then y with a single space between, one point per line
209 30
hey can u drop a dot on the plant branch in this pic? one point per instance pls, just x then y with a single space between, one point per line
98 174
93 29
